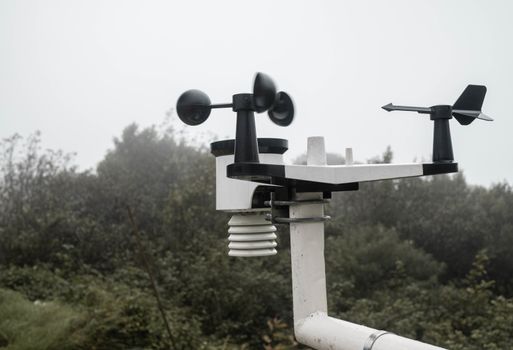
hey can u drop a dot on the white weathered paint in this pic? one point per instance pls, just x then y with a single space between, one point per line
339 174
233 194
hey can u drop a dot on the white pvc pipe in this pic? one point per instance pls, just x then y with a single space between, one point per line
312 325
322 332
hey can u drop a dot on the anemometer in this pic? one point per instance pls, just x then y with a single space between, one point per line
194 107
260 191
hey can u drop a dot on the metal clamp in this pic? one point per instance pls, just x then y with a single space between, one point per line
289 203
372 339
300 220
285 220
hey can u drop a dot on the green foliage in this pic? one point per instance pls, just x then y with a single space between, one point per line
466 316
442 215
367 259
428 259
234 297
35 283
113 314
122 317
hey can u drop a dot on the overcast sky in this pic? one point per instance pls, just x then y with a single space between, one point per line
80 71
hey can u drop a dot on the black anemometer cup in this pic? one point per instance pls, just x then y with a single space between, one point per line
264 93
193 107
282 112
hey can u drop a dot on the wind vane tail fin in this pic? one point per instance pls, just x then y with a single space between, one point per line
470 100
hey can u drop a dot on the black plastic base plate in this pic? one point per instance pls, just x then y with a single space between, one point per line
439 168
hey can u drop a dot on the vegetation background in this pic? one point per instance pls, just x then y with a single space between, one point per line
427 258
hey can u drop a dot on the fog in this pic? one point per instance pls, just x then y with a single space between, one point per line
80 71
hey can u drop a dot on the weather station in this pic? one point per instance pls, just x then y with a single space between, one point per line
260 191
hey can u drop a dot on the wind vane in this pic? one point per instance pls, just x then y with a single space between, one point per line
465 110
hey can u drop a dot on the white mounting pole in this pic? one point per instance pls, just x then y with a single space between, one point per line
312 325
307 246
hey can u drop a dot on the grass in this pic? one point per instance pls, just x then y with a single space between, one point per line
26 325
